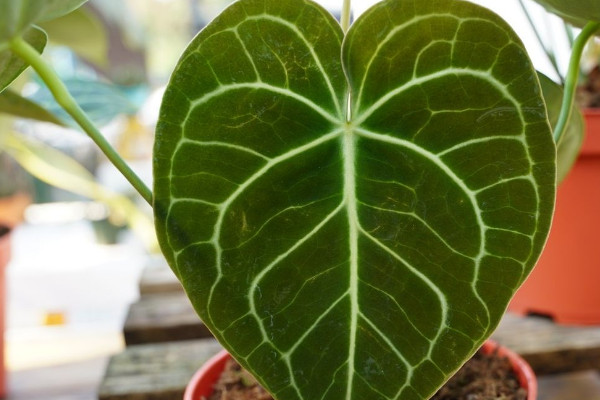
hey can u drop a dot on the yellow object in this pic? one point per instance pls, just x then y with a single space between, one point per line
135 141
53 318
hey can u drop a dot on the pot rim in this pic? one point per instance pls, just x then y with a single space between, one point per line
203 380
522 369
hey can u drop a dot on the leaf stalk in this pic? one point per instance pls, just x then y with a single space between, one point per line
60 92
573 77
346 13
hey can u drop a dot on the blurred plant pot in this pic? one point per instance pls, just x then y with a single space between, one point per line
13 207
5 238
564 284
201 384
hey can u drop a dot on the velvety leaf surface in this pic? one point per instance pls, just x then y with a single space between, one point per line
572 140
361 251
16 16
12 66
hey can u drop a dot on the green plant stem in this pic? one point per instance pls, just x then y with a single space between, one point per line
68 103
573 77
345 19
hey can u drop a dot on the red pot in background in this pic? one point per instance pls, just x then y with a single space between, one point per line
565 284
203 381
5 238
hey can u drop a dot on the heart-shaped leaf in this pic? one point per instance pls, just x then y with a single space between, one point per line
11 66
359 250
17 16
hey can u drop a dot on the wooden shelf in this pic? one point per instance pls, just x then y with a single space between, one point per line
161 370
175 345
548 347
155 371
157 277
163 317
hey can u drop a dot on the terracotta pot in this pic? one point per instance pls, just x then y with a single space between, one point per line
203 381
564 284
5 238
522 369
205 378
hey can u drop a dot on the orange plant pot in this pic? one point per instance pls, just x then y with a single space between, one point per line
565 284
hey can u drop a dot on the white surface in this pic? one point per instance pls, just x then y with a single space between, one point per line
60 268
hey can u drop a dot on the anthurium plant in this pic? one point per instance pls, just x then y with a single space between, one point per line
349 208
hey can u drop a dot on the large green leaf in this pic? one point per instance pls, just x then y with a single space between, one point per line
572 139
17 16
361 256
11 66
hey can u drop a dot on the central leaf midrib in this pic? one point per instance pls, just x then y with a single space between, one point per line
349 154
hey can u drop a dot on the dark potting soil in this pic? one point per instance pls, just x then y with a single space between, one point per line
484 377
588 94
236 383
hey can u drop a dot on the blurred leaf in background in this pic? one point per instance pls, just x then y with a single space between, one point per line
14 104
86 49
58 169
12 66
102 101
17 16
83 32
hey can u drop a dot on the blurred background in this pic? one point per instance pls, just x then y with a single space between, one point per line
81 236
